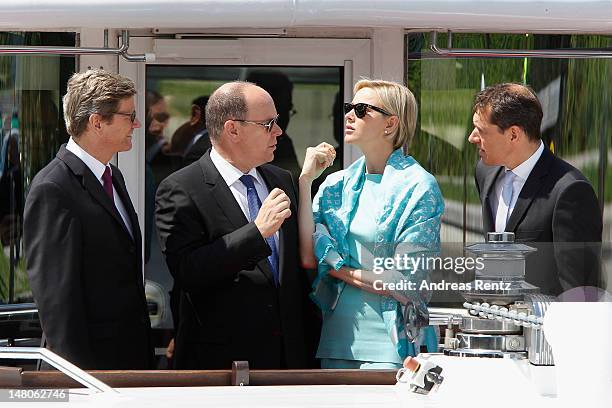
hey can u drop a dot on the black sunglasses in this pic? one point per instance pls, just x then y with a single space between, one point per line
132 115
362 108
267 124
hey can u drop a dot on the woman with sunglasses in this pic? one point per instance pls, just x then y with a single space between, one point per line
380 208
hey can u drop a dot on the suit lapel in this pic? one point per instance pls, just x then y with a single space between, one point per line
90 183
528 192
485 198
227 202
119 185
221 192
272 182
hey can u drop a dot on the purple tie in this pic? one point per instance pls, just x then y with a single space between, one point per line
107 179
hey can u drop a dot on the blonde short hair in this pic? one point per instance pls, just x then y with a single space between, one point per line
94 91
399 101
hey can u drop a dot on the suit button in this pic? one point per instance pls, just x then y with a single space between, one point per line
270 306
131 249
276 333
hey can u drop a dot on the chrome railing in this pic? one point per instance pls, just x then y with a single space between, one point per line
451 52
121 51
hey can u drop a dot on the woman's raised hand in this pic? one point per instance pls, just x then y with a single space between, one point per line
317 159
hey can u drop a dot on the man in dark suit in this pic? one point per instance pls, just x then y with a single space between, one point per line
81 234
527 190
191 138
280 88
228 228
201 143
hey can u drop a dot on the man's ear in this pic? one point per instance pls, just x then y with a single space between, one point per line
95 121
196 115
516 133
232 131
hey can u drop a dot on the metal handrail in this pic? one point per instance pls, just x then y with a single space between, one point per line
63 365
503 53
52 50
18 309
125 41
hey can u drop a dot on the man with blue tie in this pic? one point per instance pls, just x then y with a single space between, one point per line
228 229
524 188
81 234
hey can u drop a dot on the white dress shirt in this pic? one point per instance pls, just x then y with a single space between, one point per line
97 168
232 175
521 172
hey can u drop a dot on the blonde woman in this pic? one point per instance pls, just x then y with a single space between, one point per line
383 205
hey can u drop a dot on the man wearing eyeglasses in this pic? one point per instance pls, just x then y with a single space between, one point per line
228 229
82 236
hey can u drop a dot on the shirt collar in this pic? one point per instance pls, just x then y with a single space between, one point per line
96 167
227 170
197 137
524 169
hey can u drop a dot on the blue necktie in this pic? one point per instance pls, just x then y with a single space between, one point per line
254 206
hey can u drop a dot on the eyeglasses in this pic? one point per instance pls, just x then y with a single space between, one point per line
362 108
132 115
268 125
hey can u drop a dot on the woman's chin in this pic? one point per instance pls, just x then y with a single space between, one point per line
349 139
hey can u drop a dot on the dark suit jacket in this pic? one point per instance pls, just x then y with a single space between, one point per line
197 150
231 309
85 269
558 213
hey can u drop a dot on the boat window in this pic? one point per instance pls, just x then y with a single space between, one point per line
576 97
31 132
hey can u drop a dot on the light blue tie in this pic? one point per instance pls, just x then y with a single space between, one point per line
507 191
254 206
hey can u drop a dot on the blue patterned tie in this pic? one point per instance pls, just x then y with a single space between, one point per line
508 191
254 206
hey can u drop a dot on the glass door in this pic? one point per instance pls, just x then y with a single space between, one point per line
308 79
